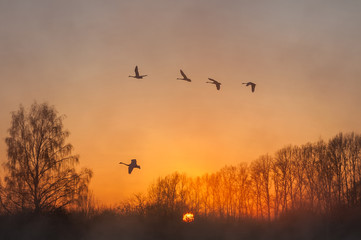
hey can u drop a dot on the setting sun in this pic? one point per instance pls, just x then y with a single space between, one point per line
188 217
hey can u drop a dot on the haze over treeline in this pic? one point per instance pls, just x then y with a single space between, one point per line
317 177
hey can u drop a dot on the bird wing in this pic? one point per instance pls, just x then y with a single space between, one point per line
212 80
253 87
130 169
134 161
184 76
218 86
136 71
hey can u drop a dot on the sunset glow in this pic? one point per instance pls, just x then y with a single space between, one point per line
78 55
191 119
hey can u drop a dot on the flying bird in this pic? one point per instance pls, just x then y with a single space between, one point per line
218 84
253 85
137 75
132 165
185 78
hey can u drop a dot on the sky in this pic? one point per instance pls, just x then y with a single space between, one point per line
304 56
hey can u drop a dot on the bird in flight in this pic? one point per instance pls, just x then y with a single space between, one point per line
137 75
218 84
185 78
133 164
253 85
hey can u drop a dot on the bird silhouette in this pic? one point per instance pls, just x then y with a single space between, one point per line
253 85
185 78
133 164
218 84
137 75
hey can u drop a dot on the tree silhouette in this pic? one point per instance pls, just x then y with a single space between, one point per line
168 196
261 173
41 174
318 178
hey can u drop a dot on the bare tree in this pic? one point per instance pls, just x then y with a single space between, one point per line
336 154
283 166
228 177
256 177
41 174
168 195
309 163
243 190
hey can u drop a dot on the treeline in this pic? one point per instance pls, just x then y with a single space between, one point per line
319 177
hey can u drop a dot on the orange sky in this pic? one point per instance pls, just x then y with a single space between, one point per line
304 56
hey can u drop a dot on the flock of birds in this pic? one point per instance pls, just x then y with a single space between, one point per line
133 164
185 78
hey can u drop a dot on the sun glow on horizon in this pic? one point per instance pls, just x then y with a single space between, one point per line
188 217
